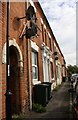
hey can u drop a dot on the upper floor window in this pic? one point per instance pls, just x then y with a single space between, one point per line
42 32
45 36
55 48
50 45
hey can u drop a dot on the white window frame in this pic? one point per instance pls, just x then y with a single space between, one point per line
35 66
36 49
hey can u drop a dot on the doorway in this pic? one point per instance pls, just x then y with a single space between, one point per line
14 82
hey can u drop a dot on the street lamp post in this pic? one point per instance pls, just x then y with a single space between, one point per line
8 92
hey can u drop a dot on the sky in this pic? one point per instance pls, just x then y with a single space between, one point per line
61 15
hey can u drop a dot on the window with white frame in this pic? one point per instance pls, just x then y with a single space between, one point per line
51 67
34 65
58 71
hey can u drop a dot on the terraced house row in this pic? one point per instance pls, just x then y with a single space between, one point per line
34 55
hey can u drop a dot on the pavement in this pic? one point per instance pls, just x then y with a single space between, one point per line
59 106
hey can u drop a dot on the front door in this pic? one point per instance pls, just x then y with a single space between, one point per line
14 81
46 70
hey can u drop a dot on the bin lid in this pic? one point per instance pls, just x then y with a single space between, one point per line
45 85
46 82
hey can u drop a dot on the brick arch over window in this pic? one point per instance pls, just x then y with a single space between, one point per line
20 58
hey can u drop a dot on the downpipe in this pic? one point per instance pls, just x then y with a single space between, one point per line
8 91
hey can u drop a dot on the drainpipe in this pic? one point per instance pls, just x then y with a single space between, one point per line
29 73
8 92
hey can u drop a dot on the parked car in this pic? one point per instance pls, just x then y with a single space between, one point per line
74 81
75 108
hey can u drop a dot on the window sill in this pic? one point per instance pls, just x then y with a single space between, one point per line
36 82
52 80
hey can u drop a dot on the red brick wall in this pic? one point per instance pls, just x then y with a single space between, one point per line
0 60
3 65
19 10
16 10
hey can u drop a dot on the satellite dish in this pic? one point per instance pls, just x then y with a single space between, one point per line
30 13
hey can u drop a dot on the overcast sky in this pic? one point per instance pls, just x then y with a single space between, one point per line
61 15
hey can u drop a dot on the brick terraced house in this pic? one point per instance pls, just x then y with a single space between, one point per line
32 61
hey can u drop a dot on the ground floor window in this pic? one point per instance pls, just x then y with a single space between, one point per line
51 68
34 65
58 71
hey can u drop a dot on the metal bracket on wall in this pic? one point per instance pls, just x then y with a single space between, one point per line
24 28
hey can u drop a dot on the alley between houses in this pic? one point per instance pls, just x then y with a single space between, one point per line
58 106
